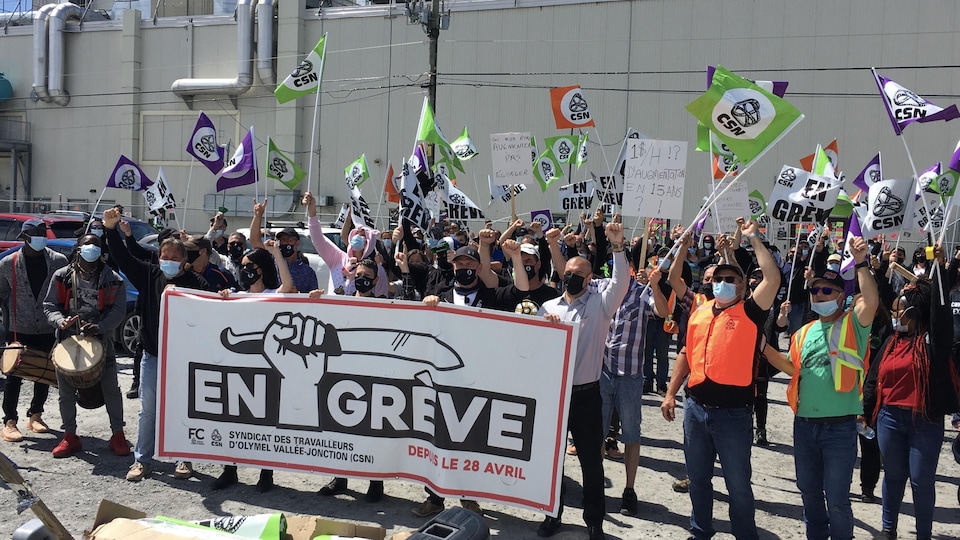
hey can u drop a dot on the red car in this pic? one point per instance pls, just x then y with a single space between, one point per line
58 226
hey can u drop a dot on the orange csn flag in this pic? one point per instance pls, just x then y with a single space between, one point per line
570 108
389 187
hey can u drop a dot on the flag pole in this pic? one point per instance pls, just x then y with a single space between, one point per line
793 265
716 215
926 208
313 137
94 211
186 199
604 152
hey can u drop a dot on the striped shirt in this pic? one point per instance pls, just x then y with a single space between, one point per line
623 354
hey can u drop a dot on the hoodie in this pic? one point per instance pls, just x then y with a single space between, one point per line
336 259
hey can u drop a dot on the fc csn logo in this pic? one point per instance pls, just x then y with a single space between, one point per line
749 115
575 108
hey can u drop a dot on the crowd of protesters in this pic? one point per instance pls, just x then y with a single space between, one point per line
869 345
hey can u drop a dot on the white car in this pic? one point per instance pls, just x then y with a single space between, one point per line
306 245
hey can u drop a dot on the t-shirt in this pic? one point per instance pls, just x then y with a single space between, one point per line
899 376
818 398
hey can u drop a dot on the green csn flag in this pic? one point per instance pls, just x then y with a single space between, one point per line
742 115
429 131
844 206
582 149
463 146
356 173
563 147
546 169
281 168
758 205
305 79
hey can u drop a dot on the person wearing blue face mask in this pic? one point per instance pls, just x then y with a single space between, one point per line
87 298
719 361
827 363
24 278
150 278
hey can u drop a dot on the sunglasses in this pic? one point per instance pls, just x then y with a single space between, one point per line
823 290
727 279
234 244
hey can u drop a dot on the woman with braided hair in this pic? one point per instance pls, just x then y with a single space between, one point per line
910 387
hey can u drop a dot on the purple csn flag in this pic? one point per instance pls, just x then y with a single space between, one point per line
203 145
905 107
127 175
870 175
241 170
847 264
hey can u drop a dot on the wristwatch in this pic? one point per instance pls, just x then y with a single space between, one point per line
616 248
864 264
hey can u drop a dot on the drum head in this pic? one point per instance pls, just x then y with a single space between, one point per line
9 359
77 354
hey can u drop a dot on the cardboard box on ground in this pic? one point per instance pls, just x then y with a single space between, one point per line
116 521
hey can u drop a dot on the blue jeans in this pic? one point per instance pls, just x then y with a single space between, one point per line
910 447
728 433
824 456
656 347
147 420
625 394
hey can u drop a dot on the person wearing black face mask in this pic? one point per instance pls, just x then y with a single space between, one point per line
288 240
539 292
365 278
475 284
198 255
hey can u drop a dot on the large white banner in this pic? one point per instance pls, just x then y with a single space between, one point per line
372 389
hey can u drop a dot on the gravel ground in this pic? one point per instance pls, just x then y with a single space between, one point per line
73 487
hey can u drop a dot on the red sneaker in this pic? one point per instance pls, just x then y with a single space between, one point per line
69 446
119 444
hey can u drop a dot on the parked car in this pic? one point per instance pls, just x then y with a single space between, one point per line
58 226
127 335
137 227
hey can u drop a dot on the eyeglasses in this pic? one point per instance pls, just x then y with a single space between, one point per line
823 290
728 279
235 244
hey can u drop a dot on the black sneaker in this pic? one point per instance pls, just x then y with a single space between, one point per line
227 478
134 392
868 497
886 534
265 483
628 504
549 526
337 485
762 438
374 492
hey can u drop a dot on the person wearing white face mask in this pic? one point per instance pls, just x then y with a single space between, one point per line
827 364
720 356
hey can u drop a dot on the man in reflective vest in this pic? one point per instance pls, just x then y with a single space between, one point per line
828 360
720 357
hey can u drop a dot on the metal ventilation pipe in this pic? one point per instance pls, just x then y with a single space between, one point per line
41 21
265 10
55 67
244 79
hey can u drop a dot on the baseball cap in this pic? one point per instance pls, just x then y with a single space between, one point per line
166 233
530 249
733 268
33 227
834 257
467 251
829 276
289 231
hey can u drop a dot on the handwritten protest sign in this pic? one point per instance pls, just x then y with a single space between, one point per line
653 178
510 153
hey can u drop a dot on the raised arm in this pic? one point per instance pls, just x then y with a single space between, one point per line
660 306
511 248
675 275
486 273
286 280
766 292
865 307
256 235
612 296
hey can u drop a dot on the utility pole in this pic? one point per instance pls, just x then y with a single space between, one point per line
433 32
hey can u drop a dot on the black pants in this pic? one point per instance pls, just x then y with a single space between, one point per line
11 392
870 464
585 423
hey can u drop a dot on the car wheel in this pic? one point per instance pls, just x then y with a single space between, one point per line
130 333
